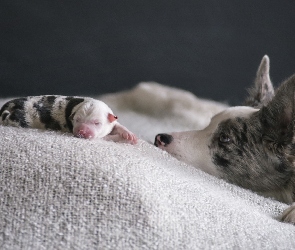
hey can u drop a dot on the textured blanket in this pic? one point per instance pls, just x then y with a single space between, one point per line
61 192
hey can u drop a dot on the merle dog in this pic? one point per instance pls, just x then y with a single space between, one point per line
85 117
251 146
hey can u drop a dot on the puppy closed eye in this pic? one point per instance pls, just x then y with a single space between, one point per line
96 123
223 138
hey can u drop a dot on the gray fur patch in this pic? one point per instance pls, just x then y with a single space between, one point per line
44 108
244 160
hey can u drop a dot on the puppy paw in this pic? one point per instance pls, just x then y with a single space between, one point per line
288 215
129 137
125 135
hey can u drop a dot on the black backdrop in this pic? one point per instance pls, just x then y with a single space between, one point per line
90 47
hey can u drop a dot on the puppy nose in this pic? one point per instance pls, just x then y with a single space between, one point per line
84 133
163 140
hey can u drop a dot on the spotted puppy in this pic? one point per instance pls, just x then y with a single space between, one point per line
83 116
252 146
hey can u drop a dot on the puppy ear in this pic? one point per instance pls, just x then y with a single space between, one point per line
112 117
262 91
278 118
71 117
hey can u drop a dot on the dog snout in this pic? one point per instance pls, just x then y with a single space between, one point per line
163 140
84 132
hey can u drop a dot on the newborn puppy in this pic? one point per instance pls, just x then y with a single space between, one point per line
85 117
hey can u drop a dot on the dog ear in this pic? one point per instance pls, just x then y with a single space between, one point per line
278 118
112 117
71 117
262 91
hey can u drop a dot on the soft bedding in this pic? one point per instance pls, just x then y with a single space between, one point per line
62 192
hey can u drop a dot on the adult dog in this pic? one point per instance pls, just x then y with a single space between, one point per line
251 146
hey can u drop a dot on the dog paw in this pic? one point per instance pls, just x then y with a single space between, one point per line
288 215
129 137
125 135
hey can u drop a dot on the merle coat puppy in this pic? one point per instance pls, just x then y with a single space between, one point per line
251 146
83 116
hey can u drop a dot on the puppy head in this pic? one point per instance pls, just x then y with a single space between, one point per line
92 119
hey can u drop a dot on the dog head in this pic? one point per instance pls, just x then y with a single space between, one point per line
92 119
247 146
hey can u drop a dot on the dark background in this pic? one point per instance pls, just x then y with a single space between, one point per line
90 47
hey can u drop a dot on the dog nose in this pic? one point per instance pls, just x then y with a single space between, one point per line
85 133
82 133
163 140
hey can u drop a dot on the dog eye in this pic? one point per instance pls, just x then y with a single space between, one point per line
96 123
224 138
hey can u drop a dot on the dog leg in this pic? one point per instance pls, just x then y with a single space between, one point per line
120 133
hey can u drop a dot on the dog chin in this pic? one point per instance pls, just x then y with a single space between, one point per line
206 167
198 161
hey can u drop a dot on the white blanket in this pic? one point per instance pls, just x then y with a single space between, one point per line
61 192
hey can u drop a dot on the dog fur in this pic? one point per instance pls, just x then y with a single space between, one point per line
83 116
251 146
